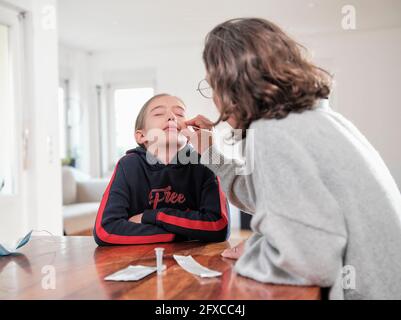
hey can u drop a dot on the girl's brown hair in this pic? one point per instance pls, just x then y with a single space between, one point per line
257 71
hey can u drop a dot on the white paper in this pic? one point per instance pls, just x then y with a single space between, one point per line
131 273
190 265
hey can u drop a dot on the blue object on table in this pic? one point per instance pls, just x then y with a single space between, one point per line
23 241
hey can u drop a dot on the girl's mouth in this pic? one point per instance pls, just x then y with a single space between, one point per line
171 129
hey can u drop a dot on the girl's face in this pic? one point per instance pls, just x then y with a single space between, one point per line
165 117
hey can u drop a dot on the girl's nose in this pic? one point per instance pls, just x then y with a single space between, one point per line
172 117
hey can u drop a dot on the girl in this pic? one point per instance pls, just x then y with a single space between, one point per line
158 192
326 210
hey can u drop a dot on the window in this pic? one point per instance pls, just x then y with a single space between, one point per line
127 103
6 115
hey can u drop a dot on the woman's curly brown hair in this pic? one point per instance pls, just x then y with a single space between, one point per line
257 71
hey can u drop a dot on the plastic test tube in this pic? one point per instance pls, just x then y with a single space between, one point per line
159 260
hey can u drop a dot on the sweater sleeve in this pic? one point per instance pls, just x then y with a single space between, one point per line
209 222
237 182
112 223
292 253
300 233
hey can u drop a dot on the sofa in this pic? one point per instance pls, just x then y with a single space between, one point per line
81 198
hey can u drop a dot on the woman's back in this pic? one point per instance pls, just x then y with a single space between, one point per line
356 181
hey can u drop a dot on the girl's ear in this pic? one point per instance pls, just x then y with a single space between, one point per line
140 137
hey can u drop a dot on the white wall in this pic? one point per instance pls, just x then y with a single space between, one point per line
41 179
44 170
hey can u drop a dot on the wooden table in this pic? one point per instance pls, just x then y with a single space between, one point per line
79 266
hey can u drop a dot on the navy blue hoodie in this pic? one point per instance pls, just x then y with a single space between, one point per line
179 201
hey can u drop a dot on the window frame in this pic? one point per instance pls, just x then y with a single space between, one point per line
111 123
13 21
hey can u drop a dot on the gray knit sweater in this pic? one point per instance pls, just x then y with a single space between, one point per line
326 210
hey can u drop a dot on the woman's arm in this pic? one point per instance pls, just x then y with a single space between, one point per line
236 177
235 181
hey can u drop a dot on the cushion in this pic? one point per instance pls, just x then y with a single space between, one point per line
79 217
69 185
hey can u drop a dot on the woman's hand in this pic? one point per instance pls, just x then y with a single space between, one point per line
200 122
234 253
201 138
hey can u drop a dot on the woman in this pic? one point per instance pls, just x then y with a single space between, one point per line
326 210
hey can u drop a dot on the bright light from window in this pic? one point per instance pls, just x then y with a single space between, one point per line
7 146
127 103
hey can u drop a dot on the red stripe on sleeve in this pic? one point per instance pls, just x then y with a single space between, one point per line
119 239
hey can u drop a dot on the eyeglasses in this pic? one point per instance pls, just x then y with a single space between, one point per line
204 89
